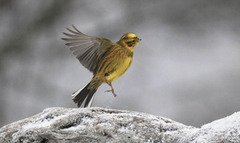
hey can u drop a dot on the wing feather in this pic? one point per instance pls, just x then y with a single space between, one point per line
88 50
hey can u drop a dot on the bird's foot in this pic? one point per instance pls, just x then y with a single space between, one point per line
114 94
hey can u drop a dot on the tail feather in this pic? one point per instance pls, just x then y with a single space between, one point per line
90 102
82 94
89 98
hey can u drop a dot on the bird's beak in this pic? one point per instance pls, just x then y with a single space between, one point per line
139 39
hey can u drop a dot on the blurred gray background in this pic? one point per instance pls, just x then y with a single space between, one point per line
186 67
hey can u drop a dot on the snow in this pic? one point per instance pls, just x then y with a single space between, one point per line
226 129
109 125
223 124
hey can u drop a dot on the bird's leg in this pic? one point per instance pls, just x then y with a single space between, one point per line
110 84
112 90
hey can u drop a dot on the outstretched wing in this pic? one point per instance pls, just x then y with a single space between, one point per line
88 50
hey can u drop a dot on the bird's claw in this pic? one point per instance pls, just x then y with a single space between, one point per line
114 94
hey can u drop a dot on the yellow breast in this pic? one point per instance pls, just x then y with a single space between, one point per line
120 68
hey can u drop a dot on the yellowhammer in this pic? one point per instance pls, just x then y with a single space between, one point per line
105 59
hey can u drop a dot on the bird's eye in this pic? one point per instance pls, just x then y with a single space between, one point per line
133 40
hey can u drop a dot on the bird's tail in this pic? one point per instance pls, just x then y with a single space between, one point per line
86 93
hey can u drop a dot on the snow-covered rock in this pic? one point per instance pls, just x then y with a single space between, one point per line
115 126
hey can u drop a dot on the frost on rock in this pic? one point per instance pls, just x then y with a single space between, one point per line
109 125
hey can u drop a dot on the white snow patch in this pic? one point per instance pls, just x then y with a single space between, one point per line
225 123
42 122
85 123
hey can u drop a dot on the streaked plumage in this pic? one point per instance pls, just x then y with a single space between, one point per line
105 59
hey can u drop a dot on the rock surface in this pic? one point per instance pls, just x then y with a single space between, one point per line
115 126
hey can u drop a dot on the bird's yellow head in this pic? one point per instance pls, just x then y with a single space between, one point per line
129 40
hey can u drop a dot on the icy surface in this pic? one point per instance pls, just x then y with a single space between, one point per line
109 125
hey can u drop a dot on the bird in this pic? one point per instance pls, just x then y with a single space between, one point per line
105 59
